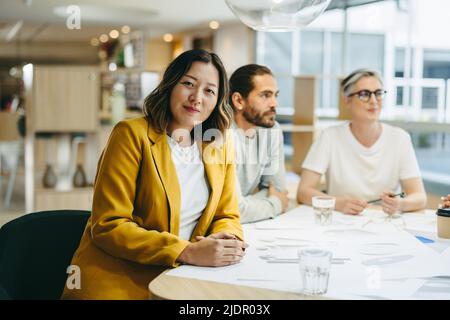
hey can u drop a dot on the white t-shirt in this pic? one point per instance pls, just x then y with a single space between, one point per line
353 170
190 172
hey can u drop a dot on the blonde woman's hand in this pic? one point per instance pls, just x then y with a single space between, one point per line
445 202
389 203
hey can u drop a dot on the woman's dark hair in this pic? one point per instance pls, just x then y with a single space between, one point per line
157 103
242 79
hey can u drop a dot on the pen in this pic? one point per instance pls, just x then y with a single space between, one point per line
401 194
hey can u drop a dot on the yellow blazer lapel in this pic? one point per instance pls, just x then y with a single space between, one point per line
212 160
161 153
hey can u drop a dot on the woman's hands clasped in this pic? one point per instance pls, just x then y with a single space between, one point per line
216 250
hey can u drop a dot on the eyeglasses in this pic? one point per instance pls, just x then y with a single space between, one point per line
365 95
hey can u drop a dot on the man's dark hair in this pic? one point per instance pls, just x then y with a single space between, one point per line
242 79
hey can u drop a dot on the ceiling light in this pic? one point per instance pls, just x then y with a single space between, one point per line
214 25
125 29
104 38
168 37
114 34
94 42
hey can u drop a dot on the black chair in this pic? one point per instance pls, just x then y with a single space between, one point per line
35 251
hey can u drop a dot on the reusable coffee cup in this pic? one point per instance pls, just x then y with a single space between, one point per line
443 223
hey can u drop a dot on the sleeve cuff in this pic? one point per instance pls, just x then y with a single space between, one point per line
276 202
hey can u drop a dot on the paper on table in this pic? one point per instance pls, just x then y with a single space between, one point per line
425 222
280 226
445 256
297 218
434 289
251 272
383 290
351 279
437 288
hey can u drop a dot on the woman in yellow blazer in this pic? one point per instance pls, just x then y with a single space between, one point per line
138 208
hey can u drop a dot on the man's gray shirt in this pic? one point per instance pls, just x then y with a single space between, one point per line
259 160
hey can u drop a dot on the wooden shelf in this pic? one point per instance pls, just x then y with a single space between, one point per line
64 99
107 116
303 127
52 199
43 190
61 100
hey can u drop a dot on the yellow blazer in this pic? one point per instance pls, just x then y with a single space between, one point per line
132 234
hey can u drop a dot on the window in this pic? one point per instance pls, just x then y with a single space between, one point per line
365 51
399 63
311 52
311 59
276 54
277 51
399 97
436 64
320 53
429 98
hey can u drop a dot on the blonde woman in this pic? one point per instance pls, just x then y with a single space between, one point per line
364 159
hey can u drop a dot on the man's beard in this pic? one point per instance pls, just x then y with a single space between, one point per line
262 120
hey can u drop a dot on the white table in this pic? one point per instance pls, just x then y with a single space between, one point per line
386 260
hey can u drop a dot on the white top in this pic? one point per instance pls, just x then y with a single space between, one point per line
190 172
259 161
353 170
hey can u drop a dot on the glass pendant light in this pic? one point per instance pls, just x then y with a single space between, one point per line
277 15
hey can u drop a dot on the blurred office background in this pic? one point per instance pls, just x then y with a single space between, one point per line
69 70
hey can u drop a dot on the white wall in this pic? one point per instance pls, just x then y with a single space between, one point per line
432 18
235 45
